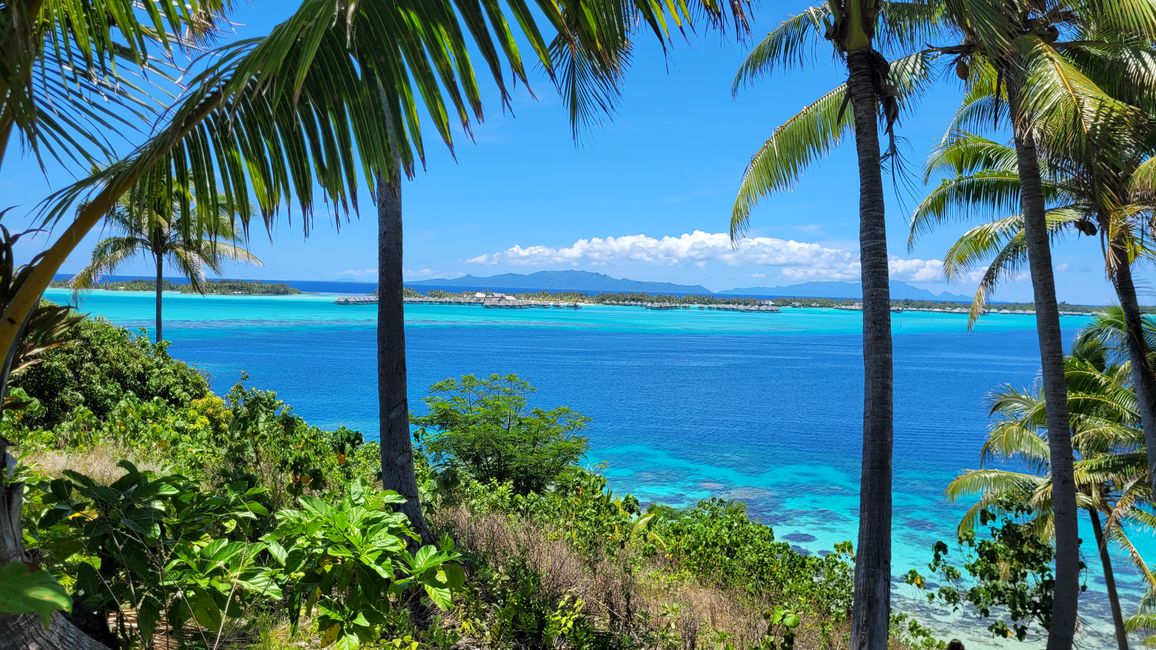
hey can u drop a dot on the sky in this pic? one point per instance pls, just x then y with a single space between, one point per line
645 195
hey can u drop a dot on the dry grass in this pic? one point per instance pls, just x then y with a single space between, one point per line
645 603
99 463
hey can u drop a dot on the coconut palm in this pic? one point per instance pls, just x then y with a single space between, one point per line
336 95
1095 190
1017 52
870 98
163 233
1111 473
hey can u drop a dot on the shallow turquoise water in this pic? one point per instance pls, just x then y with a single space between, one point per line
685 404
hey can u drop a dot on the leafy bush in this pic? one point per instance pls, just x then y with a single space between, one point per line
152 545
717 540
350 561
160 549
1009 572
102 365
484 429
250 436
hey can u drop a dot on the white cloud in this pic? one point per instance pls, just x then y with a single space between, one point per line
914 270
795 261
356 273
697 246
422 274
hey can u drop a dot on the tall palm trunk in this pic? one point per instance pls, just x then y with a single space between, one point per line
397 470
872 608
1067 584
1142 376
1109 580
160 291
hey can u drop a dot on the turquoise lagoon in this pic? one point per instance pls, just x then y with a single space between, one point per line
685 404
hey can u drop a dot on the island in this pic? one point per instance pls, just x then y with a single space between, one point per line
717 302
210 287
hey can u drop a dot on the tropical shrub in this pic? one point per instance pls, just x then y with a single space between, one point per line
99 367
350 561
158 546
485 430
1009 576
717 540
203 565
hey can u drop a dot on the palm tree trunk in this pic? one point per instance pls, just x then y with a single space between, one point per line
1142 377
26 631
397 469
1067 584
1109 580
160 291
872 609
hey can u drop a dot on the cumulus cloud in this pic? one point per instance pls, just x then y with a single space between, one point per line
794 260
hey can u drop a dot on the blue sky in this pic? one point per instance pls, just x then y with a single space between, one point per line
646 195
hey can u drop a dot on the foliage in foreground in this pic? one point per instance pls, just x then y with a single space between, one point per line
234 519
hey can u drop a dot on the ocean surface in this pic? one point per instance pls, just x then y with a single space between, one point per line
685 404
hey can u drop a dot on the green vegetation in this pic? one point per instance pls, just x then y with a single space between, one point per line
1009 573
183 516
94 371
208 287
484 430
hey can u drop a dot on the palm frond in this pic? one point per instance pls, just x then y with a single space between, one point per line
812 133
808 136
791 43
966 154
107 255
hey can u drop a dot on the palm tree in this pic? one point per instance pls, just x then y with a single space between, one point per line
332 97
1015 49
588 79
162 232
1111 474
1098 189
873 92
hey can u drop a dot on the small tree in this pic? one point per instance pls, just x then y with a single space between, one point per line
1009 573
484 429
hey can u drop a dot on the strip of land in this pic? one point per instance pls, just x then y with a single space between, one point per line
213 287
574 300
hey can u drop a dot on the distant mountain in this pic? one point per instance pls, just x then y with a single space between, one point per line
852 290
584 281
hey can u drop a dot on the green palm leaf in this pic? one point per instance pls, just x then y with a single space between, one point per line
810 135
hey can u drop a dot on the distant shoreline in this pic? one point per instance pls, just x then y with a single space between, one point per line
209 287
529 299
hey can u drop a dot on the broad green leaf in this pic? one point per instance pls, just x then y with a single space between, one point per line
23 591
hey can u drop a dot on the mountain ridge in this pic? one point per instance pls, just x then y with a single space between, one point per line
562 281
